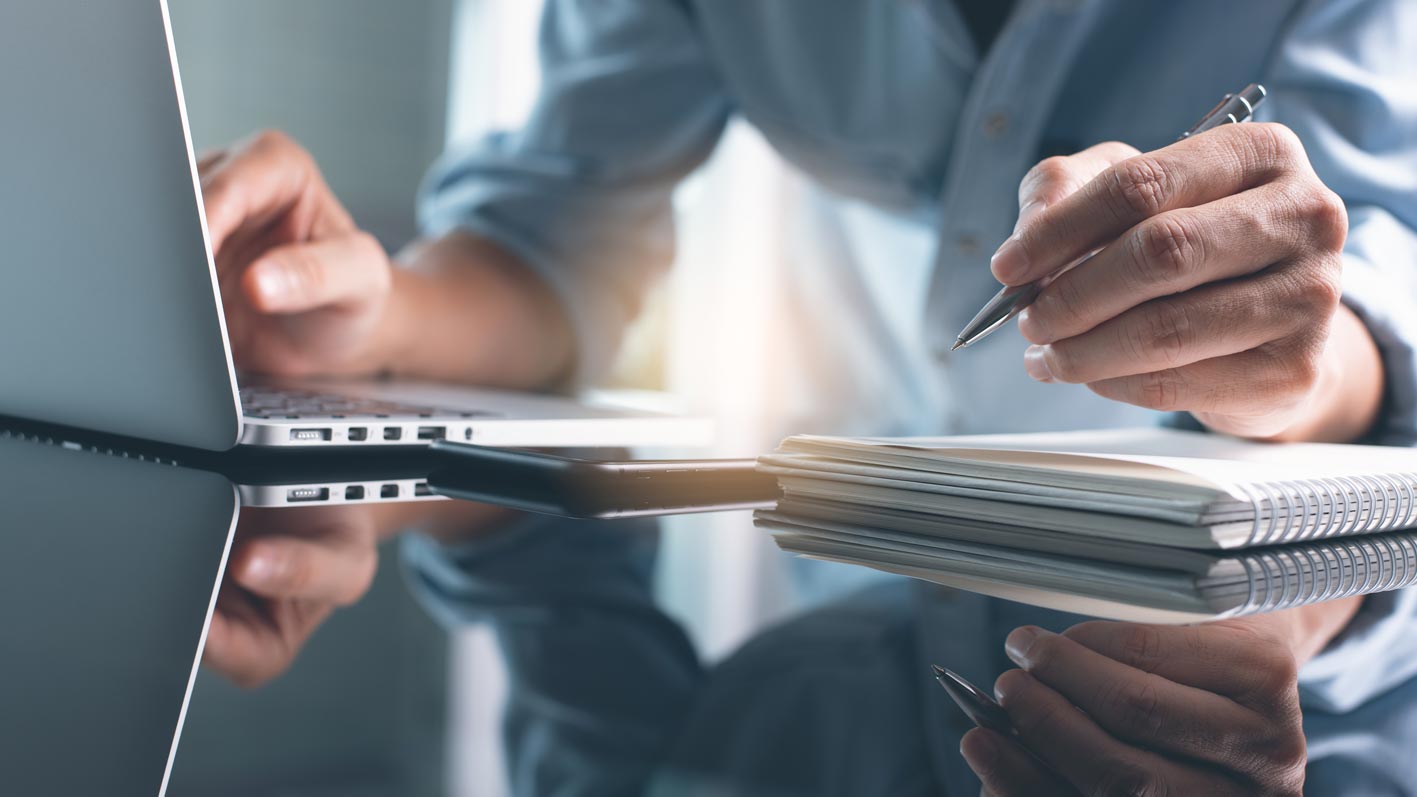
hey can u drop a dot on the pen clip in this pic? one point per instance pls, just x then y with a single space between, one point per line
1232 109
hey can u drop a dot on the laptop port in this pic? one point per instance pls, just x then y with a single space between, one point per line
354 492
389 491
358 434
311 435
431 433
306 495
393 433
422 490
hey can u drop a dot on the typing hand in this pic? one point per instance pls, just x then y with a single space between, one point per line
1119 708
305 290
291 568
1215 290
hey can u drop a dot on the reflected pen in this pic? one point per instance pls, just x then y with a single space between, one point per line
979 707
1009 302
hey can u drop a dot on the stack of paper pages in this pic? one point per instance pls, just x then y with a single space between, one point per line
1149 525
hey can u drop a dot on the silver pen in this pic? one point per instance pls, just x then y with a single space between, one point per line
1012 300
978 706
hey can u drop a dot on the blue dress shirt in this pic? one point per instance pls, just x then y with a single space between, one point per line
914 146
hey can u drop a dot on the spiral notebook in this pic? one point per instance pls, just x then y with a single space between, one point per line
1152 524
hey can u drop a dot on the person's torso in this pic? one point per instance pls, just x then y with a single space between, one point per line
914 146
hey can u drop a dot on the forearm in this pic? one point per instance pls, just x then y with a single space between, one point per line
465 310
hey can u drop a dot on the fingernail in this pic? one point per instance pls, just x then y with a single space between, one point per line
1019 645
1030 209
1035 362
1010 262
271 282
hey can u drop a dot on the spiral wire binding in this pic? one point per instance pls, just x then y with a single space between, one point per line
1332 506
1298 575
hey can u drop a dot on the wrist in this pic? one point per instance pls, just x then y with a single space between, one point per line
1312 628
1347 395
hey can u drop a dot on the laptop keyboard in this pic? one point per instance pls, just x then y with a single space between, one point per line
270 403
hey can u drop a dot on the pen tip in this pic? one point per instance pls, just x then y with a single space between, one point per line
959 344
940 672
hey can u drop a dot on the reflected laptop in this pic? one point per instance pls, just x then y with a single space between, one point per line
110 315
111 570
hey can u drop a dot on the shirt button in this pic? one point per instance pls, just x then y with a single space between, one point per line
967 244
996 125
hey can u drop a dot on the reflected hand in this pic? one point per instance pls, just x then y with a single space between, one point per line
289 569
1215 288
304 289
1120 708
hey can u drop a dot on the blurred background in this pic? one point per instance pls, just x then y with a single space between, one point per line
383 701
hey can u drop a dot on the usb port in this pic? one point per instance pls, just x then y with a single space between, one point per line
310 435
392 433
305 495
358 434
422 490
389 491
431 433
354 492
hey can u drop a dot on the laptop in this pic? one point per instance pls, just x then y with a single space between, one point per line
110 312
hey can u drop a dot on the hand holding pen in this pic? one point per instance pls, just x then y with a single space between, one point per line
1124 708
1212 287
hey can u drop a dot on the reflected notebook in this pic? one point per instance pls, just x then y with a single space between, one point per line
1143 524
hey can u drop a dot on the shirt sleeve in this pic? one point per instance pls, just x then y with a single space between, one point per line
601 678
1345 81
1343 78
629 104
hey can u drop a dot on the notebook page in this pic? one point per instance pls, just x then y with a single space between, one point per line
1190 458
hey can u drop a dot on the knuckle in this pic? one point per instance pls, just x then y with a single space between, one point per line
1135 705
1290 368
1327 218
1274 144
1141 187
1322 288
1063 363
1167 247
1141 647
1088 632
273 140
1049 171
1061 302
1277 681
1168 330
1050 180
1126 779
1286 754
1160 390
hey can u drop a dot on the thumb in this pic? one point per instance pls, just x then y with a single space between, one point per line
297 278
1054 179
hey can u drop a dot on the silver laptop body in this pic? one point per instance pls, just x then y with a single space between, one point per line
110 312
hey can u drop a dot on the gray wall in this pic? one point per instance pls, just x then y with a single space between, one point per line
363 84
